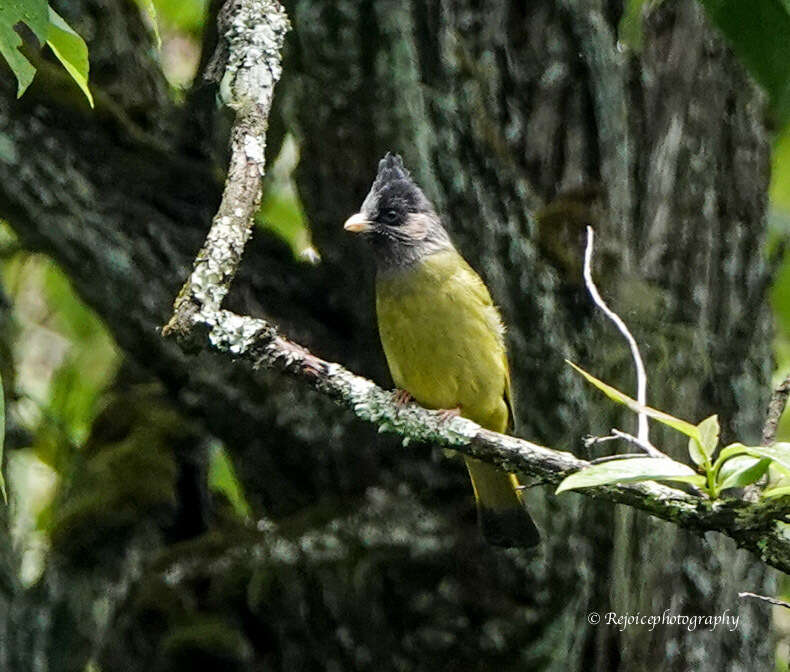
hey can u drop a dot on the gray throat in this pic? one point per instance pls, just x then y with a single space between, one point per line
395 252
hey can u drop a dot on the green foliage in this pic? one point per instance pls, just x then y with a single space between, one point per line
780 178
222 478
49 28
281 209
124 476
149 9
71 51
34 13
736 466
741 471
629 471
85 372
702 447
758 33
185 15
779 228
615 395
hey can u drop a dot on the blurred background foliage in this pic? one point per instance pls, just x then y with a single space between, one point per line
62 372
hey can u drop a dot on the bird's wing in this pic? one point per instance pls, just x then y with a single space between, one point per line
511 420
480 291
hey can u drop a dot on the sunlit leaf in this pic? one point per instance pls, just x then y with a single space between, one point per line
629 471
281 210
72 398
701 449
35 15
778 452
615 395
777 492
185 15
71 51
742 471
149 9
222 478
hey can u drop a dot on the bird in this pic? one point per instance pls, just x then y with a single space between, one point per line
442 335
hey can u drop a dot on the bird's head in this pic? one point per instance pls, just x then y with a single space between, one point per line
397 218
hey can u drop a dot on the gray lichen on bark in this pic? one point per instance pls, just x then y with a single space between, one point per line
252 33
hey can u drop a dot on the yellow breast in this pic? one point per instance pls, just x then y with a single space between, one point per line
443 338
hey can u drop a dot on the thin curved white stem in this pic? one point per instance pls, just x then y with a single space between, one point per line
641 375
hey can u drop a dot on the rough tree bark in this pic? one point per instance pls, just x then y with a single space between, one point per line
373 561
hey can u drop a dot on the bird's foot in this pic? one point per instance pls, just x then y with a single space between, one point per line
447 414
402 397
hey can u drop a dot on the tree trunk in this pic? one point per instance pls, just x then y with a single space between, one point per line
373 560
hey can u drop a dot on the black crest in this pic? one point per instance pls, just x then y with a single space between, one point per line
391 169
394 188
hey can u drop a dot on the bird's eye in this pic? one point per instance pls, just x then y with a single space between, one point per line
389 216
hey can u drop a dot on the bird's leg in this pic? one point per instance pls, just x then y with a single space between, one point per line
447 414
402 397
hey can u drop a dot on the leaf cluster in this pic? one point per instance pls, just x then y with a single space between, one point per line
715 469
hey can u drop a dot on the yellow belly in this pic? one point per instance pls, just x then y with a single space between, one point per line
443 340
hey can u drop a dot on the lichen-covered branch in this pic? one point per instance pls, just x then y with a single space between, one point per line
758 527
775 409
247 66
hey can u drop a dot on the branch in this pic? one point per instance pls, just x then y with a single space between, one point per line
775 409
247 66
756 527
765 598
248 61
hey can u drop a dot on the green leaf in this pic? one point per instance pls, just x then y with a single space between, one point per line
615 395
777 492
629 471
187 16
709 434
33 13
71 51
741 471
778 452
2 439
758 32
222 478
148 8
701 449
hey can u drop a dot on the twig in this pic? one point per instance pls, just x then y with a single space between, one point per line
765 598
612 458
648 447
641 376
616 435
775 409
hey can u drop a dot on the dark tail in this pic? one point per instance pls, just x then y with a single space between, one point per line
503 519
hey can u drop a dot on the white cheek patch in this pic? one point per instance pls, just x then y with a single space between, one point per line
417 226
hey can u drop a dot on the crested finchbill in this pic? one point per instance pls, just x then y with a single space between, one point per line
442 335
